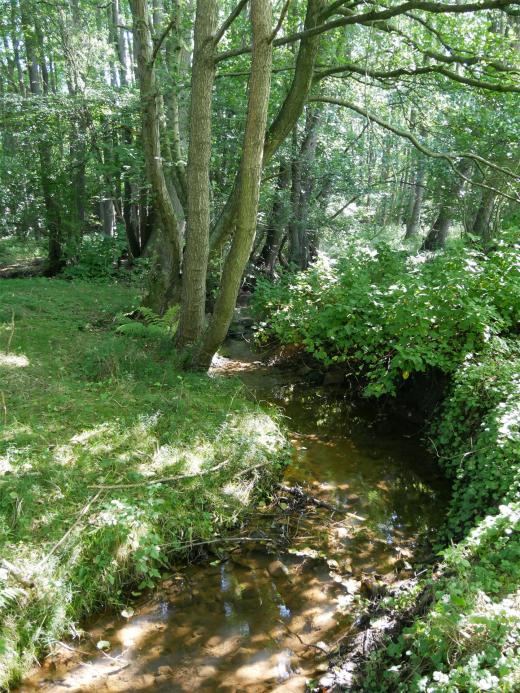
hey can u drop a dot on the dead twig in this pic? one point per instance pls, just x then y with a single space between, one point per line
84 510
311 500
164 479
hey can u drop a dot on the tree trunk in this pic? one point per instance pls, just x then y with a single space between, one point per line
249 185
195 264
293 229
167 277
118 39
277 222
302 186
436 238
284 122
416 200
482 224
52 211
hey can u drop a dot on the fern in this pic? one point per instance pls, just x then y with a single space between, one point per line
150 323
8 595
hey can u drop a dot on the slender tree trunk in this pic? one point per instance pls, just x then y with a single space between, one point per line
436 238
282 125
416 200
195 264
166 282
118 39
52 211
302 186
173 55
293 230
250 178
277 222
482 224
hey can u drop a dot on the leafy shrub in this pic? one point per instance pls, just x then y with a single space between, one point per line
94 256
478 433
469 638
387 315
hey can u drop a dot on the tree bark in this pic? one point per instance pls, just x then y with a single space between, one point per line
302 186
166 282
249 185
277 222
416 200
282 125
52 211
436 238
482 224
195 264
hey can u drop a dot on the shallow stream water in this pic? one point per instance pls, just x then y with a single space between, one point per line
264 615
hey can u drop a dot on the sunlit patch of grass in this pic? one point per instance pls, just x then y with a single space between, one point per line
13 360
100 407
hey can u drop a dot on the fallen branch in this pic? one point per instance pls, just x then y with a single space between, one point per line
311 500
32 268
164 479
82 512
15 573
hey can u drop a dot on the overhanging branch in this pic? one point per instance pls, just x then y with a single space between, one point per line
450 157
376 16
408 72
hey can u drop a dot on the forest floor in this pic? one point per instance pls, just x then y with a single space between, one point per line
91 416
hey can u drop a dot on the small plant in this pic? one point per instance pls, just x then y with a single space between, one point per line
94 256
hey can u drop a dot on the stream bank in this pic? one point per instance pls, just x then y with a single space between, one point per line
272 602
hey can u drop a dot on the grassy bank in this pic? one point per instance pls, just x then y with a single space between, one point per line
85 404
386 316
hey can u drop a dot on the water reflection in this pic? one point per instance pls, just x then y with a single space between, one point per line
257 620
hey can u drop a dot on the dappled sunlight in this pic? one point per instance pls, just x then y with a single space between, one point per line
13 360
257 617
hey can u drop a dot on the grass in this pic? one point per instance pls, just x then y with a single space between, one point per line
14 250
83 405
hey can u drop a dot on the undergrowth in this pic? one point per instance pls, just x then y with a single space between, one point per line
386 315
85 404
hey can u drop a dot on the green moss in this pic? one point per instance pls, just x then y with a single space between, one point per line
84 405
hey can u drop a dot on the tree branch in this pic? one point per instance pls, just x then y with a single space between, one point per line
159 42
229 21
451 157
280 19
375 16
407 72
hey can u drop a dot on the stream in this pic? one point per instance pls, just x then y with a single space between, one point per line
264 615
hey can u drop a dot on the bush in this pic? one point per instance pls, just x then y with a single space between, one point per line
469 638
387 315
94 256
478 434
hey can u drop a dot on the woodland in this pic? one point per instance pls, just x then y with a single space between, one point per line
335 181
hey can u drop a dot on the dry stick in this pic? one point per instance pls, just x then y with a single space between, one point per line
9 340
17 575
90 654
226 539
4 407
82 512
296 491
162 480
